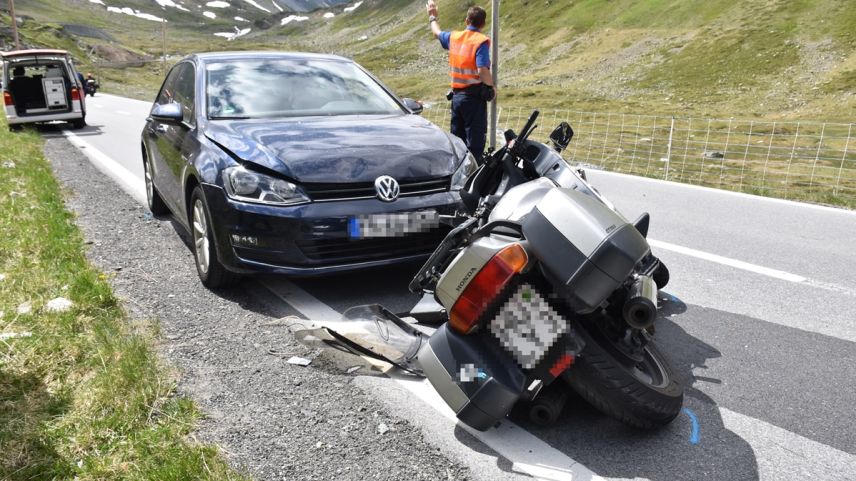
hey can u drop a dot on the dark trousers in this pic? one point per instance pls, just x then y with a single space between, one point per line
469 121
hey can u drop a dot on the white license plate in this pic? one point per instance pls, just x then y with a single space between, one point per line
527 326
396 224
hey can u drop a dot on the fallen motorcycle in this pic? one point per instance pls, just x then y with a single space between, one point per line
543 285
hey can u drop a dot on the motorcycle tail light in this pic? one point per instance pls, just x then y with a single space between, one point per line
7 99
75 93
485 286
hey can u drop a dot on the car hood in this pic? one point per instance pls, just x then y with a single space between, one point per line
341 149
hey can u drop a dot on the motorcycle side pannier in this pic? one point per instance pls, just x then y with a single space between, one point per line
584 245
476 378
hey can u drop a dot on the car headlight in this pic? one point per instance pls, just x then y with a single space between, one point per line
468 166
249 186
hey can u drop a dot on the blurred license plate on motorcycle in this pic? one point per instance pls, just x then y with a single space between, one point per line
527 326
396 224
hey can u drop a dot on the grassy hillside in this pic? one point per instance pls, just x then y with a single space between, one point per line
770 58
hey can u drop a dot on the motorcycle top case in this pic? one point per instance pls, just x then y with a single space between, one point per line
476 378
584 245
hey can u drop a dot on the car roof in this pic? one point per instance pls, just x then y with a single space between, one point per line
33 52
215 56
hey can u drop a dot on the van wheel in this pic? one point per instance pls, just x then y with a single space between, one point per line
78 124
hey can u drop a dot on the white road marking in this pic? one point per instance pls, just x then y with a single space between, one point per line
527 453
130 183
777 274
781 454
727 192
122 112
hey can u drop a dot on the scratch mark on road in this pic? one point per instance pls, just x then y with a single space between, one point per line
695 435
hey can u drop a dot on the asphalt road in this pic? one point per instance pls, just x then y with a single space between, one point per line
761 329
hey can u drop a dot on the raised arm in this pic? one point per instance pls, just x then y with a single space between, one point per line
432 12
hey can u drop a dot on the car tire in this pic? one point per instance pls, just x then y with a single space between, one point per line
609 383
156 204
78 124
16 128
211 271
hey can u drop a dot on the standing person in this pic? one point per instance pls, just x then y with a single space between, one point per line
469 69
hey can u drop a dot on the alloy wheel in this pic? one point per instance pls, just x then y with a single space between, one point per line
200 236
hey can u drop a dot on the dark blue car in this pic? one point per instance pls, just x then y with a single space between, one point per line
299 164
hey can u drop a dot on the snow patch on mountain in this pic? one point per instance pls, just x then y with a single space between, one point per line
135 13
276 5
255 4
353 7
292 18
233 35
99 2
210 15
329 15
171 3
241 19
218 4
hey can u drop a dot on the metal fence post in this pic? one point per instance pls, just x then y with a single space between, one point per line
591 138
724 154
669 149
767 159
843 158
651 150
606 139
635 143
791 159
746 154
704 152
687 146
817 155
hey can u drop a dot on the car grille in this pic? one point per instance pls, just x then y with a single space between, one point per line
366 190
354 250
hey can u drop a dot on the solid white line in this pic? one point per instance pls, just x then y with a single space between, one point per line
782 454
528 453
116 171
712 190
123 112
777 274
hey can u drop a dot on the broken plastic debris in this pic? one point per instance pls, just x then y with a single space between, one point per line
371 332
25 308
300 361
382 428
60 304
353 369
2 277
8 164
13 335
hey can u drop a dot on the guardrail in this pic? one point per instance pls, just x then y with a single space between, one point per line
800 160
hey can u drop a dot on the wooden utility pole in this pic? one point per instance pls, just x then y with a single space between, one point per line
494 43
14 24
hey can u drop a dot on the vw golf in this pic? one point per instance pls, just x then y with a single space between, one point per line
299 164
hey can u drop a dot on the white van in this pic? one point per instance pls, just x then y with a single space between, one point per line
41 86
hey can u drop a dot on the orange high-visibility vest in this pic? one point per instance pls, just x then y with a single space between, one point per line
462 58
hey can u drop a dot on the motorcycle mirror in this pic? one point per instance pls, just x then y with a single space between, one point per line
562 136
509 135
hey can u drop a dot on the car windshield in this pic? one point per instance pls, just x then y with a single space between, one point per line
269 88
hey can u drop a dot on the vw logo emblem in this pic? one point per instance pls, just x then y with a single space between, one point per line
387 188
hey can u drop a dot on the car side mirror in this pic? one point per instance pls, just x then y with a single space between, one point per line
414 106
168 113
562 136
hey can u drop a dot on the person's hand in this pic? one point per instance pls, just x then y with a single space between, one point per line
432 8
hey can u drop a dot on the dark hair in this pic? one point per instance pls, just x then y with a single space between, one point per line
476 17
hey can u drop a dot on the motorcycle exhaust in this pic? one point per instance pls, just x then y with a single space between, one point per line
640 309
547 407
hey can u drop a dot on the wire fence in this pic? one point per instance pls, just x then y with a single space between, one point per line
814 161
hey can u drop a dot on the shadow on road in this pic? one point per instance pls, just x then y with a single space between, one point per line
612 449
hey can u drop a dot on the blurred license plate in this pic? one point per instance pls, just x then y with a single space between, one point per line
527 326
397 224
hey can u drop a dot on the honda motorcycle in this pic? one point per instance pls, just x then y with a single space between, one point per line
545 281
542 286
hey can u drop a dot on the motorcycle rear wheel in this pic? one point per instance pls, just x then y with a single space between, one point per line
643 394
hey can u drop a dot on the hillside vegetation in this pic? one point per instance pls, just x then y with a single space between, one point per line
761 58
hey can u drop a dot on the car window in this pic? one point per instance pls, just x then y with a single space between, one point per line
266 88
167 92
185 90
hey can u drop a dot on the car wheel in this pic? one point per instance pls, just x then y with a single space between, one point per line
16 128
78 124
211 271
156 204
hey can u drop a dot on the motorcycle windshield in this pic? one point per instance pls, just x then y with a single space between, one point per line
370 331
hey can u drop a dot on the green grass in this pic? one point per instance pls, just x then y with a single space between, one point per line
85 397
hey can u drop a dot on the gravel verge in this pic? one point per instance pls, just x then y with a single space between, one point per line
273 419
